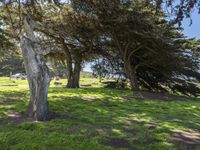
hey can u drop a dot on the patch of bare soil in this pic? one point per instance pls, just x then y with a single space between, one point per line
117 143
152 95
21 117
186 140
16 117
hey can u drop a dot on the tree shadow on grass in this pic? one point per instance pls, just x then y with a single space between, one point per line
103 115
15 117
14 93
154 120
13 106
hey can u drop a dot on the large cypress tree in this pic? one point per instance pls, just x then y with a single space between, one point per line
153 51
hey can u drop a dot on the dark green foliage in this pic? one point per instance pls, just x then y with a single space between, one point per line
10 57
174 69
6 46
109 66
120 84
57 69
12 63
146 44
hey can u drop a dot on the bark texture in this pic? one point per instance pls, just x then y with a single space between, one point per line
73 69
74 74
37 72
131 73
126 55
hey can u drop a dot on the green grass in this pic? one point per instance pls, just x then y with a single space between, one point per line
94 117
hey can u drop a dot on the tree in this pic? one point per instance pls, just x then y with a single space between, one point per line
28 24
149 46
67 32
125 26
78 43
24 27
37 71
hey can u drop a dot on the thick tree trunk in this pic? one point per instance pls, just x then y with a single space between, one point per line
38 78
37 72
74 75
69 75
77 70
131 73
129 69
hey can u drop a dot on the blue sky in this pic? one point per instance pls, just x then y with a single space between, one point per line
191 31
87 67
194 29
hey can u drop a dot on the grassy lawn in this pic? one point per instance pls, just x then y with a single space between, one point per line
94 118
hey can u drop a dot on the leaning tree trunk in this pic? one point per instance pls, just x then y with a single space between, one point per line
131 73
37 72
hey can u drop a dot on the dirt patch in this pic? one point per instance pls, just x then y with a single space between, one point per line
20 117
117 143
152 95
16 117
185 140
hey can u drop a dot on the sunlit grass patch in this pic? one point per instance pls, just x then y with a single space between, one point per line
95 118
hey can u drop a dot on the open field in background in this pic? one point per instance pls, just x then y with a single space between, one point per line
96 118
7 81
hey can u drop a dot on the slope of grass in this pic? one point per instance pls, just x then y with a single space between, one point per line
95 118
